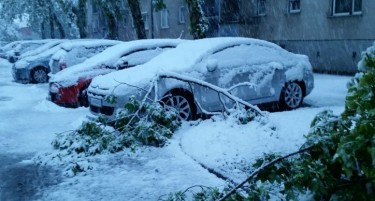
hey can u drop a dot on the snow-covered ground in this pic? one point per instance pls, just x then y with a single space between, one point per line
28 123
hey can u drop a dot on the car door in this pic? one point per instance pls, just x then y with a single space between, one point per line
246 71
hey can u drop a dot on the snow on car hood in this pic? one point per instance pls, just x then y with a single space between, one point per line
184 58
96 64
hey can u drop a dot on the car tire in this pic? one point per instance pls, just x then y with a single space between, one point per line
291 96
83 100
39 75
183 102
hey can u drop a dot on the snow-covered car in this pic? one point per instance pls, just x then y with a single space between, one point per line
77 51
15 49
253 70
33 66
68 87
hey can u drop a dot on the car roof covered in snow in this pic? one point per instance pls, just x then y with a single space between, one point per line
88 43
184 57
14 44
45 50
48 45
109 57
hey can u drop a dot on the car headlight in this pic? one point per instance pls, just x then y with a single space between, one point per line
54 88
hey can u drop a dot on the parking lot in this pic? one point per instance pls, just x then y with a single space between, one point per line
29 123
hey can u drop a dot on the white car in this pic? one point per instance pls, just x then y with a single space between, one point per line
253 70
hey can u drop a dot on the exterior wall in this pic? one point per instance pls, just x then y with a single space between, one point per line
175 28
333 44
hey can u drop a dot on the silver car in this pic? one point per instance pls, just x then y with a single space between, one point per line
254 70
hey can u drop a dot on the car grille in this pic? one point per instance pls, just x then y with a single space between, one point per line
102 110
95 94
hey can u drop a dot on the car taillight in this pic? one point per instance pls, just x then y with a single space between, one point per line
54 88
62 66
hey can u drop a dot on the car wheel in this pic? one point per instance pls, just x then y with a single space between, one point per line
183 103
291 96
83 99
39 75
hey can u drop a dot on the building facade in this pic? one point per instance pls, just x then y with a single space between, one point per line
333 33
171 22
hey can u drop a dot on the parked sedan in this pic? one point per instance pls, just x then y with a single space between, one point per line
15 49
68 87
254 70
34 67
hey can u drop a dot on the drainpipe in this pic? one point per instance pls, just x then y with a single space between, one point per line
152 19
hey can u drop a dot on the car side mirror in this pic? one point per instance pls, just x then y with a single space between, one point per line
211 65
123 65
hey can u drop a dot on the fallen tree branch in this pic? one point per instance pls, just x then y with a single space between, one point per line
213 87
260 169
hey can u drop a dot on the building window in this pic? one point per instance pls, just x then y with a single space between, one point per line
95 8
182 15
294 6
346 7
261 7
164 19
145 20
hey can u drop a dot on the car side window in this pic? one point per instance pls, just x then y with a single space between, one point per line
244 55
143 56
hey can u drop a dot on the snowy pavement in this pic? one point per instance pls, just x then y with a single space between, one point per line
28 123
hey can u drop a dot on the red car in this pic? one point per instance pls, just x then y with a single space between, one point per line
68 87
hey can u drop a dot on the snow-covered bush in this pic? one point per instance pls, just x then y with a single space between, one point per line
139 124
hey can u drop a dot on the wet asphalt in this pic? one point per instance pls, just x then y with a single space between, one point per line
22 180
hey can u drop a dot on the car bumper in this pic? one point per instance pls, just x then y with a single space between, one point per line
100 107
63 96
21 75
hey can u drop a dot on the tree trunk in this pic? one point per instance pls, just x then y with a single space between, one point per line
59 26
42 30
80 13
51 27
111 23
137 18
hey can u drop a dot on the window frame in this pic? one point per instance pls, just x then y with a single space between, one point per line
290 6
264 11
145 20
164 19
350 12
182 15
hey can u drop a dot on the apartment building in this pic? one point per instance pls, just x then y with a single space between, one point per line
333 33
171 22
